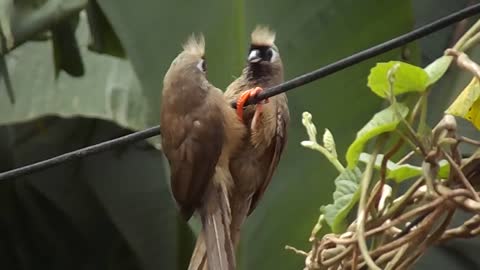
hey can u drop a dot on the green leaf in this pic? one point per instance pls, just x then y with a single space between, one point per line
6 11
66 52
408 78
401 172
444 170
345 196
109 90
398 173
438 68
383 121
5 79
104 39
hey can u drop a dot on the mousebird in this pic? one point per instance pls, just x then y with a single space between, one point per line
253 167
200 132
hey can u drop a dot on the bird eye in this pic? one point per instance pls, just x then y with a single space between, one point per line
272 54
202 65
269 54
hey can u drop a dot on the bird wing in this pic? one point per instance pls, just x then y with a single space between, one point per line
274 151
192 145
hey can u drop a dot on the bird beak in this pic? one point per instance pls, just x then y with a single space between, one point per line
254 56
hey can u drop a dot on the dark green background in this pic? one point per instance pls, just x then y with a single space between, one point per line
114 210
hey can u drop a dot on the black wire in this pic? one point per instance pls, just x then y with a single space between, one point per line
366 54
93 149
294 83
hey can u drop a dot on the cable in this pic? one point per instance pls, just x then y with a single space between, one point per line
286 86
366 54
93 149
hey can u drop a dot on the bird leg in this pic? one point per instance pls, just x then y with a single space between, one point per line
258 108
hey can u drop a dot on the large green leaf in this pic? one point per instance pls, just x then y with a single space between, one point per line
109 90
407 78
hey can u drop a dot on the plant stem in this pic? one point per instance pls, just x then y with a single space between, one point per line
462 177
472 31
362 212
334 160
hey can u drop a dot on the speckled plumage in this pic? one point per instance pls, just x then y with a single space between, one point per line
253 167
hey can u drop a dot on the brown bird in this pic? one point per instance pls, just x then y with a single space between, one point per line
253 167
200 132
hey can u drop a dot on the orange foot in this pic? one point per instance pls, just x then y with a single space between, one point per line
258 108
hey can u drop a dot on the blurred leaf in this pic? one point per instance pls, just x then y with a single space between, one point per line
5 77
66 53
345 197
437 68
401 172
104 39
383 121
6 36
109 90
110 211
408 78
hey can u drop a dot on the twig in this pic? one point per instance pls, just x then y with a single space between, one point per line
470 32
462 177
424 225
470 228
406 216
406 157
355 259
297 251
396 259
338 257
469 141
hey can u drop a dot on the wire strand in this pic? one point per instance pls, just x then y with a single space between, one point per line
281 88
83 152
366 54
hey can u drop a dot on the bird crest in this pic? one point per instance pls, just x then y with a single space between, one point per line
195 45
263 36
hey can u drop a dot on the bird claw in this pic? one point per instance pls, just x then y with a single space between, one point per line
243 99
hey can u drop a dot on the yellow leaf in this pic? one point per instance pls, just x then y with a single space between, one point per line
473 114
467 104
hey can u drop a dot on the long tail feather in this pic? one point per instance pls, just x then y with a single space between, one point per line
199 256
214 249
240 209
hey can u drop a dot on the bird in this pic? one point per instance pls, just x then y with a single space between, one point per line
200 132
267 122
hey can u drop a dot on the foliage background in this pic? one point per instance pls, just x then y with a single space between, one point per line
114 210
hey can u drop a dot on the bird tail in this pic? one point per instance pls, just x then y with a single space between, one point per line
198 260
240 209
214 249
